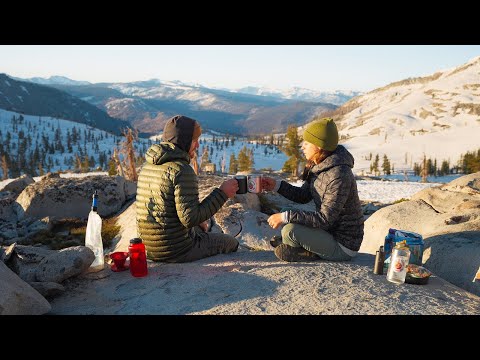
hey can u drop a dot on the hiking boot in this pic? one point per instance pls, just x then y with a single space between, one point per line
292 254
276 240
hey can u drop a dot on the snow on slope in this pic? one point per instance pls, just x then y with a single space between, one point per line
264 156
437 115
36 128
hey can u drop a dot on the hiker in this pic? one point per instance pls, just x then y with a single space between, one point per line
334 231
171 220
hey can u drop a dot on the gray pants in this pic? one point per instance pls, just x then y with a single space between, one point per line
209 244
314 240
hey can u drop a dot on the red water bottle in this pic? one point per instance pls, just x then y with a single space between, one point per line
138 258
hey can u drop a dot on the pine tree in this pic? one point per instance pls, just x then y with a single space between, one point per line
445 168
430 169
112 168
244 160
85 167
386 165
78 163
233 166
374 168
292 149
4 166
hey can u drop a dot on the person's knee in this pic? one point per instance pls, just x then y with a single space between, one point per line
287 230
233 245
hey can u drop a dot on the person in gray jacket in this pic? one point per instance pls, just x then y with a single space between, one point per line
334 231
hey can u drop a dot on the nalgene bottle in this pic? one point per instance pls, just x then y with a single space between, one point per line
138 258
397 269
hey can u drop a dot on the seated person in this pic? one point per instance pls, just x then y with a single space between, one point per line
334 231
171 220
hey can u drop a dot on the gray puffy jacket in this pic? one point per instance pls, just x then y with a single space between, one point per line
332 186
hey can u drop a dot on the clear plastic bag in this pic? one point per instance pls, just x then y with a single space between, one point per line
93 239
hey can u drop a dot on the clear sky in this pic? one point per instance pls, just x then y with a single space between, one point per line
317 67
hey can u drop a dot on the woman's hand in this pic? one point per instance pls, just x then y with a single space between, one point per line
268 184
229 187
275 220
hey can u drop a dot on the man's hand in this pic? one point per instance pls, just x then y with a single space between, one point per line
229 187
275 220
268 184
204 225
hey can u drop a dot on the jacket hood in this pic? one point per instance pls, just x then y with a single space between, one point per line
164 152
179 130
341 156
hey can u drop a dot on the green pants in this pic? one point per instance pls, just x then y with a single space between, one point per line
314 240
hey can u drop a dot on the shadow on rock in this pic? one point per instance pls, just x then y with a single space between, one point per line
454 257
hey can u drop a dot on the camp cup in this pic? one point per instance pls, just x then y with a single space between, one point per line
119 258
254 183
242 184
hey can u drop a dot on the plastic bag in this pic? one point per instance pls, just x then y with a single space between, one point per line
93 239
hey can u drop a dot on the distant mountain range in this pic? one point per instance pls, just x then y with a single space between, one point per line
54 80
147 105
436 115
337 97
35 99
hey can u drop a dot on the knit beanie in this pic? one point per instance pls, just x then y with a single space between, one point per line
323 133
181 130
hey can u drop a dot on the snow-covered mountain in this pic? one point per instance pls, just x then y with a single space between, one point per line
337 97
42 100
146 105
55 80
437 115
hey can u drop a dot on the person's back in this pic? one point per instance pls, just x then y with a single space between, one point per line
163 234
169 213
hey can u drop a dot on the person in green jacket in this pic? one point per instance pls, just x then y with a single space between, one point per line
171 220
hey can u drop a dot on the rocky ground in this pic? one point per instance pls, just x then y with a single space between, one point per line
251 281
256 282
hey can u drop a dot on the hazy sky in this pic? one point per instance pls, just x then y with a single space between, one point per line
317 67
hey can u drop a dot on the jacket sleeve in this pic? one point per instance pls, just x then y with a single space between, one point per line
301 195
334 199
190 210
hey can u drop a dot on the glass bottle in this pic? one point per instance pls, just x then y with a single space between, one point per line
397 270
138 258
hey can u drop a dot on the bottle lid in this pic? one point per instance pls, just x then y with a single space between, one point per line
136 241
402 245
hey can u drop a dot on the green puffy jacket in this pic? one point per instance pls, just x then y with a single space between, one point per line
168 205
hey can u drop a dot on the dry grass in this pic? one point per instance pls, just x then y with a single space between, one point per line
71 232
443 126
410 81
397 121
473 109
415 132
471 86
464 67
425 113
338 113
